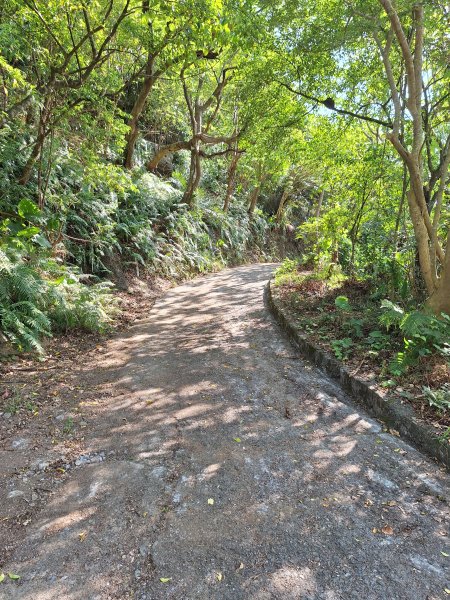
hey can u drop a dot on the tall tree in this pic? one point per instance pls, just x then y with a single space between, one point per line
67 43
384 65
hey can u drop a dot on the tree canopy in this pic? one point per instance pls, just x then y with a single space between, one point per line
329 115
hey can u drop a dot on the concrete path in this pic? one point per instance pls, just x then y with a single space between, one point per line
225 467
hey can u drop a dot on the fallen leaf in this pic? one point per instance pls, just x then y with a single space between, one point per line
447 591
13 576
444 554
375 530
219 576
237 440
240 567
2 577
368 502
149 402
82 536
387 530
211 501
165 579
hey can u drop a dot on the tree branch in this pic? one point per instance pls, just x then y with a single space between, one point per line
329 103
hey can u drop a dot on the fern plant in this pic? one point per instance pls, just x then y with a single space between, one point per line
21 320
423 334
39 295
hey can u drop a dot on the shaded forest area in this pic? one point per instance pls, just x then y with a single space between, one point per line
168 139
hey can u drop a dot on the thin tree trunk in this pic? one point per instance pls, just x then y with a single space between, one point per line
282 203
317 214
195 173
319 204
400 208
254 199
37 149
231 180
136 112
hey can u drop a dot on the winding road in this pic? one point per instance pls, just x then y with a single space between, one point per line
225 467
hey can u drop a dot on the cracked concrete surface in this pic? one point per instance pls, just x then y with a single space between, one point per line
235 470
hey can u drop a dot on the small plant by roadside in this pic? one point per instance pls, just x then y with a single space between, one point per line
424 335
68 426
342 348
439 399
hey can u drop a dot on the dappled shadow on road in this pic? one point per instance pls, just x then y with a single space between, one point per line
234 469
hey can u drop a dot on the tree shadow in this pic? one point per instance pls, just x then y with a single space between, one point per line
209 402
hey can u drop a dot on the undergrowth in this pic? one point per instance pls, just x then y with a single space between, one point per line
405 347
55 260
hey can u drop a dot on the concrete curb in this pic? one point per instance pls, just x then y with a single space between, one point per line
396 415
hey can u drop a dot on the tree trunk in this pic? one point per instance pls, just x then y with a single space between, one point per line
231 180
165 151
319 204
400 210
253 199
439 301
422 238
35 153
195 173
282 203
136 112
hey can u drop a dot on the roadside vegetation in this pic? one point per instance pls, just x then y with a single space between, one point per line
401 350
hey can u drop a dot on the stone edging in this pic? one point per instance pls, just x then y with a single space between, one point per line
396 415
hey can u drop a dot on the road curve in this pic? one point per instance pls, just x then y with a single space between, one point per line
225 467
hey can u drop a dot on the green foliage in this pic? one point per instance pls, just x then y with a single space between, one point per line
438 398
377 340
139 218
424 334
342 303
21 318
342 348
68 426
391 315
38 296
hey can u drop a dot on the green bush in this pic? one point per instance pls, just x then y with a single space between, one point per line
38 296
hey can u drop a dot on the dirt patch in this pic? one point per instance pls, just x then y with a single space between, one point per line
45 407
